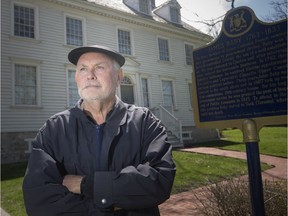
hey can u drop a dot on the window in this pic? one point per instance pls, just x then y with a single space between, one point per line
145 92
190 93
74 32
124 42
73 95
163 49
127 90
24 21
174 12
188 52
144 6
167 89
25 85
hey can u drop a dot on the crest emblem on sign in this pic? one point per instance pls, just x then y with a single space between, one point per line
237 22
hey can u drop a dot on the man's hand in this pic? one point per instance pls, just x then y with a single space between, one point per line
73 183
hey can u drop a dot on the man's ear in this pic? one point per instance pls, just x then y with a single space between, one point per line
119 76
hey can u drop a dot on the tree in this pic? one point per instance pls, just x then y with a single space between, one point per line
279 8
214 25
279 11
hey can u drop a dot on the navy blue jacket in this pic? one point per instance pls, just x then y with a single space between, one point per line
135 172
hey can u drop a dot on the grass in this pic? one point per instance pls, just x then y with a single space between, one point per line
193 170
11 188
273 141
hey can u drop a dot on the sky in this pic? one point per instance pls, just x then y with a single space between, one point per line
195 10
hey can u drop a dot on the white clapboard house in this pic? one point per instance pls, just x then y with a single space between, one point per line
37 80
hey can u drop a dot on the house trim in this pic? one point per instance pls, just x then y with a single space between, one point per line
133 19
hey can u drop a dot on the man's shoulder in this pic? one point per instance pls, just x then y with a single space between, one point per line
66 112
71 113
135 108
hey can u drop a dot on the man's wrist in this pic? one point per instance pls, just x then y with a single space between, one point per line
86 186
82 185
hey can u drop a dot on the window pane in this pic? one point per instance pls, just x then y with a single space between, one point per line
74 33
127 94
144 6
25 85
174 12
24 21
126 81
190 94
124 42
163 49
145 92
167 90
168 100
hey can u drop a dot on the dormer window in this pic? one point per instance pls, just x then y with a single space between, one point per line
175 15
141 6
169 11
144 6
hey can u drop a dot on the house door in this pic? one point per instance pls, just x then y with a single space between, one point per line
127 90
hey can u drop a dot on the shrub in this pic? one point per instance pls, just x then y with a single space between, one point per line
232 198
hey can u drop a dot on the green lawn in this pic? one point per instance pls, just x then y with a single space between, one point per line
273 141
11 188
193 170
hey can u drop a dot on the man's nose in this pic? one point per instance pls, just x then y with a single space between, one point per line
92 74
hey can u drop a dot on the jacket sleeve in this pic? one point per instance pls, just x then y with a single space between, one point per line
43 191
142 186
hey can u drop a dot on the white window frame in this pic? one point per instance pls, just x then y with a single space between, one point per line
32 63
188 44
68 85
36 19
169 48
131 39
83 28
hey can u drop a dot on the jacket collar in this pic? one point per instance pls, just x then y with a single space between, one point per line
115 118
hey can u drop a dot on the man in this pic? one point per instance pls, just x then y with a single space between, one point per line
102 157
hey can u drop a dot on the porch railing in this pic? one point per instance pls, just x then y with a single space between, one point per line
171 123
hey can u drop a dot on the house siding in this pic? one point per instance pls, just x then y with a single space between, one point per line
50 51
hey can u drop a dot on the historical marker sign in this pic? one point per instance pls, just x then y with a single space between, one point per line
242 74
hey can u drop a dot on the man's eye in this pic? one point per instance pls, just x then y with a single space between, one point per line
99 67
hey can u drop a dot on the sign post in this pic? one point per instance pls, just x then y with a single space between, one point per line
251 139
240 80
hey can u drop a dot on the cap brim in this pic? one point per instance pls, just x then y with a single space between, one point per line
75 54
